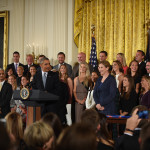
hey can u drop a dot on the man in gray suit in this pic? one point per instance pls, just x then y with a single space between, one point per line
61 60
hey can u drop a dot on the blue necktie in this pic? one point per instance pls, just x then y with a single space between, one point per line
44 78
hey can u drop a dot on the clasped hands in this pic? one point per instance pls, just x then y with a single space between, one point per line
81 101
99 107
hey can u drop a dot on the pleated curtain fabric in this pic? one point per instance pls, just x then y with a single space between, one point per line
119 26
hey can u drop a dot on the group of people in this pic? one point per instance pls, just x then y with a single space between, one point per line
92 92
110 89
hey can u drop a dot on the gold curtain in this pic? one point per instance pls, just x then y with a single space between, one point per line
119 26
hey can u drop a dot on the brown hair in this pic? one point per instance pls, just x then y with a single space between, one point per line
129 69
147 78
77 137
15 85
90 117
131 87
66 75
120 66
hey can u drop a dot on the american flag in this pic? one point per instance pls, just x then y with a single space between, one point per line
93 55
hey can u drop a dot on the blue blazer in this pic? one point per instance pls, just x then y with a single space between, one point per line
105 94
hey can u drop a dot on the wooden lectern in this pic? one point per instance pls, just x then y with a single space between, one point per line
36 99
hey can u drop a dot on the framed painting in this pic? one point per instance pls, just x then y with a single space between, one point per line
3 39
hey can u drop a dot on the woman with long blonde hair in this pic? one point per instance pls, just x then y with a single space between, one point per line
14 126
122 59
81 85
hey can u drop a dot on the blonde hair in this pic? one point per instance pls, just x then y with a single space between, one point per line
86 81
21 67
37 134
14 125
123 59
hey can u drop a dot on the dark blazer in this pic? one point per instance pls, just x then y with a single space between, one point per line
127 142
13 68
52 86
69 68
142 68
105 94
5 97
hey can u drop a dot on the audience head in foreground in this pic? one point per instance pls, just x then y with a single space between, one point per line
39 136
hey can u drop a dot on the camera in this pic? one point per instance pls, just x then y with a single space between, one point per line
143 114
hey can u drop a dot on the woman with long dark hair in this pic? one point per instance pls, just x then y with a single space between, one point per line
128 97
133 71
118 72
63 77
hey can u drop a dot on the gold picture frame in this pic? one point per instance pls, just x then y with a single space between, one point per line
4 14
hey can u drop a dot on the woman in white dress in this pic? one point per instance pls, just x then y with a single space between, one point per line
117 70
90 103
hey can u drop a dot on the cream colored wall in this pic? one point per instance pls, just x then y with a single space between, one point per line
43 25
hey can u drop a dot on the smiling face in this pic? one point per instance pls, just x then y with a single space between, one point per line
144 83
148 67
11 80
2 75
134 66
119 58
32 70
10 72
45 66
63 69
61 58
24 81
139 57
115 66
94 76
102 69
81 57
102 57
125 82
83 68
29 60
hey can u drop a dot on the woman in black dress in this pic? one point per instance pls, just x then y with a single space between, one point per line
128 96
133 71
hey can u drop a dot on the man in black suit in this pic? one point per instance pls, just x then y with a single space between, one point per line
61 60
81 59
140 55
30 62
16 63
46 80
148 68
5 95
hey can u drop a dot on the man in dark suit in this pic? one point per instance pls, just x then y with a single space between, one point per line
5 95
148 68
30 62
46 80
16 63
140 55
81 59
61 60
